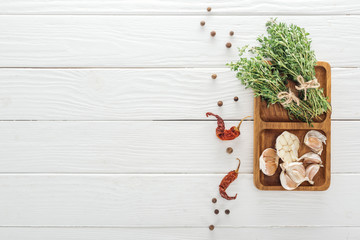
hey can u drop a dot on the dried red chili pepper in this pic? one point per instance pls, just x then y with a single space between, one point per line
226 181
226 134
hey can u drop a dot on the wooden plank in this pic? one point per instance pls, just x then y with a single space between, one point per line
171 41
253 233
142 94
143 147
228 7
153 201
145 94
344 85
120 147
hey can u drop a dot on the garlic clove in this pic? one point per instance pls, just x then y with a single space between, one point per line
314 140
311 171
281 152
311 157
286 181
283 140
287 157
295 170
293 155
296 144
269 161
287 135
269 152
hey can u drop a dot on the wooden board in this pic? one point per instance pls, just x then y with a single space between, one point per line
169 200
144 94
179 233
88 162
114 147
270 122
179 7
171 41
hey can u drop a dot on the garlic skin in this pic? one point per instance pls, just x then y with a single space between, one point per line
310 158
286 182
287 146
314 140
311 171
269 161
295 170
292 175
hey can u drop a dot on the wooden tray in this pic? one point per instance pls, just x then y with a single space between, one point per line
270 122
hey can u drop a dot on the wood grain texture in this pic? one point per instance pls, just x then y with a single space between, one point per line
142 179
120 147
228 7
203 233
142 94
345 86
143 147
267 129
153 201
158 41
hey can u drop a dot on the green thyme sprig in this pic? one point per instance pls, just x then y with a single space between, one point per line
266 81
289 50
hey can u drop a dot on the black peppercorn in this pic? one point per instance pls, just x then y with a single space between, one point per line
214 76
220 103
211 227
216 211
213 33
202 23
227 211
229 150
228 45
236 99
214 200
231 33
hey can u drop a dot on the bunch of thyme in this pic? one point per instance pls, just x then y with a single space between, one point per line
289 50
267 81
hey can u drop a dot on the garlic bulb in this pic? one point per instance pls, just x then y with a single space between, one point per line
269 161
287 146
311 171
309 158
315 140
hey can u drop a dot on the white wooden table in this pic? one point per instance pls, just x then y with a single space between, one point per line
110 139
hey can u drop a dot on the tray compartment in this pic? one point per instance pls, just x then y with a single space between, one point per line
276 113
268 139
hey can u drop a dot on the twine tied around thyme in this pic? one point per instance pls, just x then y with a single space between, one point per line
289 96
306 85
